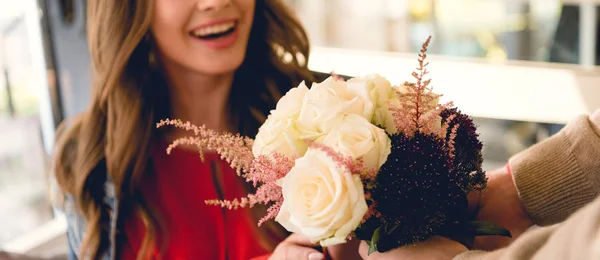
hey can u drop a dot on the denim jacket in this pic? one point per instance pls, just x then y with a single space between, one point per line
76 223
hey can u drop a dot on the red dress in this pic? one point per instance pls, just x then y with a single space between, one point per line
177 189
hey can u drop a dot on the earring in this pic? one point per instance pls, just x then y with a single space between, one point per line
152 58
151 52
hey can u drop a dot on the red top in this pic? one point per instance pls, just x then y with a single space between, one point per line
177 189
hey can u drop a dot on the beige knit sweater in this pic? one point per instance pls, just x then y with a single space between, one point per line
559 182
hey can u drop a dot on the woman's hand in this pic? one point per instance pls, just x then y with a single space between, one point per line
297 247
500 204
438 248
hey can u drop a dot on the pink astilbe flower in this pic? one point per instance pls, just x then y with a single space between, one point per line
444 129
418 107
372 210
368 177
354 166
269 193
265 194
270 168
262 171
266 171
450 143
235 149
187 141
450 133
272 212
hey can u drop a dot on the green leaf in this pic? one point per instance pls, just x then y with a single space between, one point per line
480 228
374 240
372 248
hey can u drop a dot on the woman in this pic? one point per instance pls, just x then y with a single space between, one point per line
217 63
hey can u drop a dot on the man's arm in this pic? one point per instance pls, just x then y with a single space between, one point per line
553 179
577 238
560 175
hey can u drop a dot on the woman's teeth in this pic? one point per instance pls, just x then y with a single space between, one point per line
213 30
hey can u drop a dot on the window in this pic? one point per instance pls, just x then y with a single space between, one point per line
533 30
498 39
26 128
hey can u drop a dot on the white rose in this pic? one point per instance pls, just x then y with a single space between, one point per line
384 116
279 136
356 137
380 92
321 200
291 103
325 103
374 87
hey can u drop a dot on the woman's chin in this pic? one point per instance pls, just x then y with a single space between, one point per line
219 68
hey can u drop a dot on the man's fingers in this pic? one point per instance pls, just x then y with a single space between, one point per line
473 199
433 248
363 250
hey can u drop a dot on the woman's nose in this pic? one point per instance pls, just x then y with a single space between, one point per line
212 5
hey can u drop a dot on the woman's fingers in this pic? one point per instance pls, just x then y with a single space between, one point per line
297 247
298 252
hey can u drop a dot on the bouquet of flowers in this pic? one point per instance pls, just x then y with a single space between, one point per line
359 158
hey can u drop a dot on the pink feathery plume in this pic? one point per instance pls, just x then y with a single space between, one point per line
270 168
265 194
235 149
187 141
444 129
451 147
418 109
404 115
354 166
451 133
272 212
369 176
266 170
372 210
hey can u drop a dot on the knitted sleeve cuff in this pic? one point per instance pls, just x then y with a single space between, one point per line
559 175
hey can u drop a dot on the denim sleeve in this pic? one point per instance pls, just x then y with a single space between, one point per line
64 204
72 247
75 227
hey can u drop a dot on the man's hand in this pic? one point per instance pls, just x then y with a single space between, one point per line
433 248
500 204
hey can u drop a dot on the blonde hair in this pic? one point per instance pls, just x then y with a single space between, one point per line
112 138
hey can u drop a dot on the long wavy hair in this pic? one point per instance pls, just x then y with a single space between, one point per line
112 138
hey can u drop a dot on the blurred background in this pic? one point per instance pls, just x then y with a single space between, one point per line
521 67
